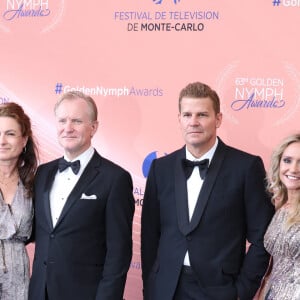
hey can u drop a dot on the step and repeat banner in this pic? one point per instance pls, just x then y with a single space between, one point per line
134 57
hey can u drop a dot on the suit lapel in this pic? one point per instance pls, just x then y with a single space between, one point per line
46 193
208 184
181 194
91 170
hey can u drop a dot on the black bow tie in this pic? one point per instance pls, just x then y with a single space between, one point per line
63 164
189 165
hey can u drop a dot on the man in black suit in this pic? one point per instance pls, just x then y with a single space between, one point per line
84 208
197 217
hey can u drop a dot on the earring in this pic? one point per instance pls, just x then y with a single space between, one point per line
24 149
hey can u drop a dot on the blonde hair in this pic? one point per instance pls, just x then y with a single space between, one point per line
75 95
276 187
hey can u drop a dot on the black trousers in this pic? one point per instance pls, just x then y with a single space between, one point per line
188 287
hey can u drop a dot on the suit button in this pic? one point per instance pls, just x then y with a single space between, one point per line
189 238
52 236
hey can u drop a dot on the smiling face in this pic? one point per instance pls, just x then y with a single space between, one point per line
75 127
199 122
289 169
11 140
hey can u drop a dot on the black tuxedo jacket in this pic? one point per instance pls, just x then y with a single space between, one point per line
88 252
232 207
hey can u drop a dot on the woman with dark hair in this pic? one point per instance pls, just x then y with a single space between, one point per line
18 163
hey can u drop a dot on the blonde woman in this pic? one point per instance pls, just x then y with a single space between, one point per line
282 238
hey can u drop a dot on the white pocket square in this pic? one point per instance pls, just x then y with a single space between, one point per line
88 197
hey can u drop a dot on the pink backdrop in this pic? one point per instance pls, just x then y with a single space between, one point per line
134 57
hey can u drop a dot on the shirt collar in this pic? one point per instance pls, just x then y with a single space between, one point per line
84 158
209 154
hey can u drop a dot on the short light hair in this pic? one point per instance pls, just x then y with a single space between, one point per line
75 95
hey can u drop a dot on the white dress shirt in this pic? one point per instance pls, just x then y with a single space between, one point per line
64 183
194 185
